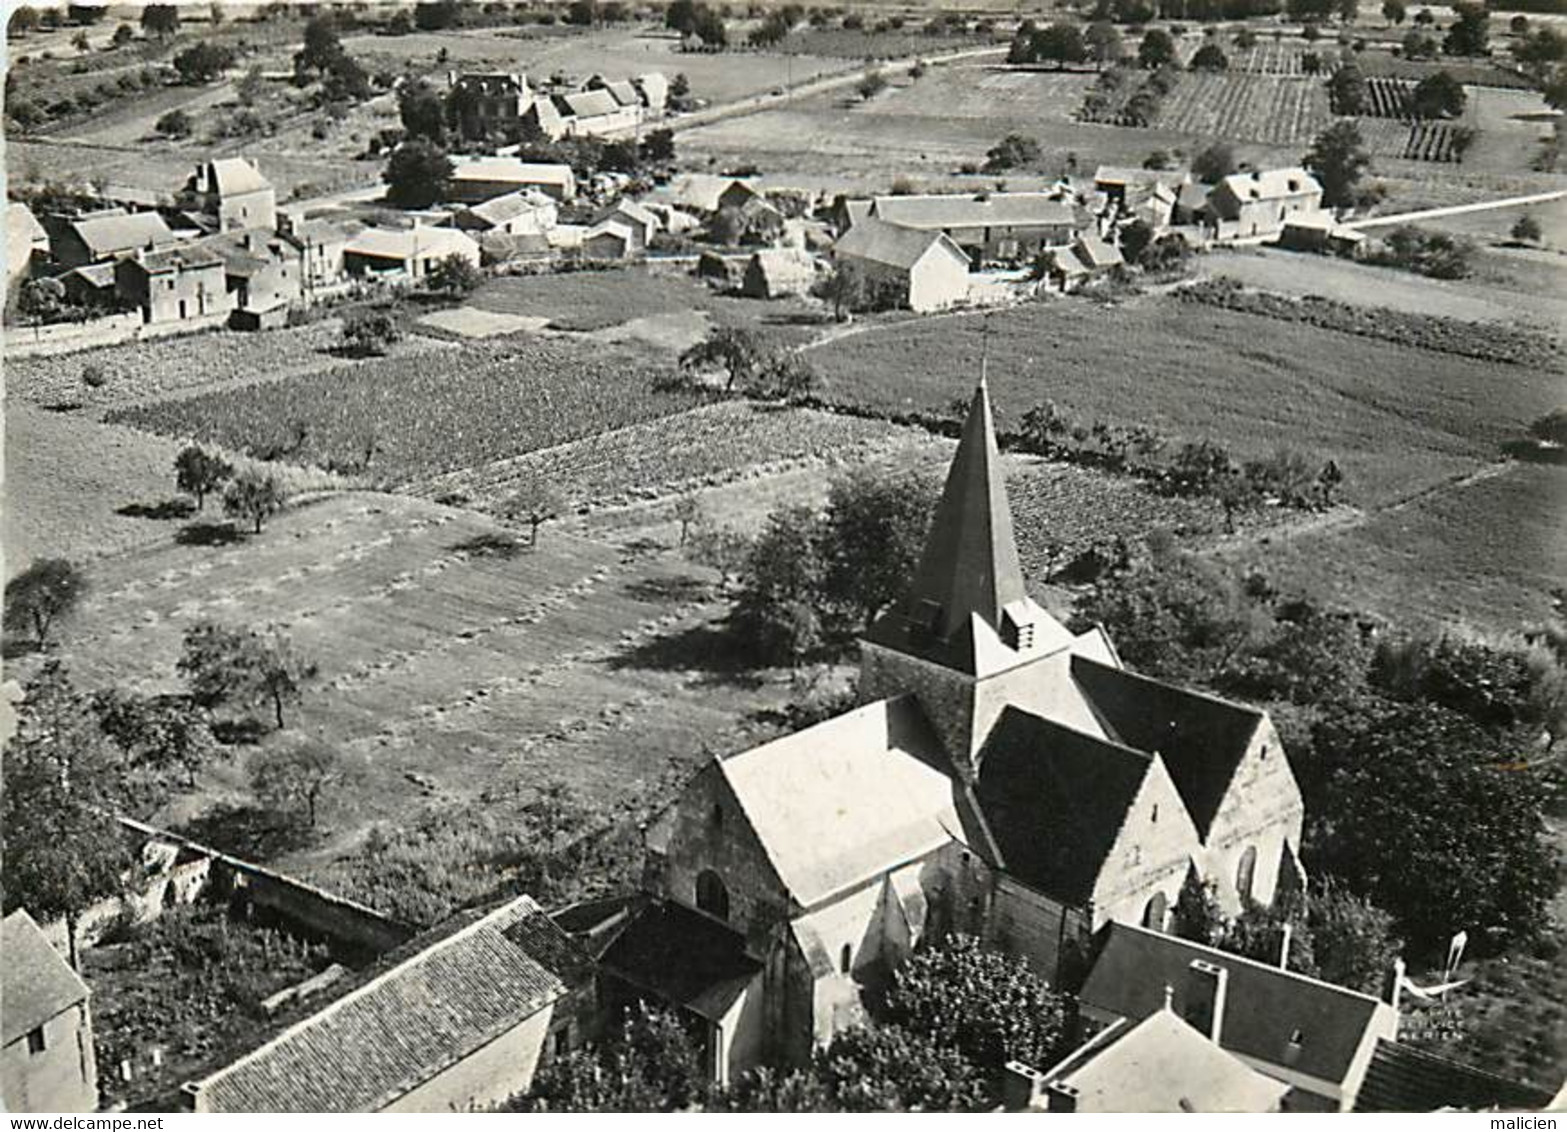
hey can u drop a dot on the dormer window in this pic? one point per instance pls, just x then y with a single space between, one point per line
1017 626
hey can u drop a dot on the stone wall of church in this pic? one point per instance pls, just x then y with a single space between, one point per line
1262 811
1027 923
1151 855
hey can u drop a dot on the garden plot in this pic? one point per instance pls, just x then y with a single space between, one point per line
988 93
472 322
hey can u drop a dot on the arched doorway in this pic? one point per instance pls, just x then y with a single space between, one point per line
711 895
1154 912
1246 873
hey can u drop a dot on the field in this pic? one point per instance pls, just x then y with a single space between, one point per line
1241 107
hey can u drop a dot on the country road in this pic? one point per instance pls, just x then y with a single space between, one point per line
1455 210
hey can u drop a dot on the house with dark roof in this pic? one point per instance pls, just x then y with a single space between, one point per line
1401 1078
105 236
490 100
989 226
923 271
1004 777
48 1063
454 1020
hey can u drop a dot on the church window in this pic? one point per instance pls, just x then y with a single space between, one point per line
1155 818
1154 912
1246 872
846 958
711 895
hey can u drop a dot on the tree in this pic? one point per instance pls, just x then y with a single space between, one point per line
1012 152
845 289
1425 17
203 63
239 666
1551 427
1537 53
158 732
1418 45
59 849
1394 11
199 472
1156 50
989 1007
739 352
255 497
41 596
1348 11
1347 90
81 42
370 332
322 46
890 512
709 27
345 81
1214 163
871 84
1353 941
1209 57
250 87
1159 159
1196 915
1467 35
455 275
419 107
417 174
1311 63
659 146
436 15
299 774
1060 43
779 605
1103 42
23 19
160 20
537 502
1438 96
1258 933
122 36
1504 688
1135 239
1423 812
1338 159
649 1065
688 512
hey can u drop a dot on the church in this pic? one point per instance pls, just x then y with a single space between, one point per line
1003 777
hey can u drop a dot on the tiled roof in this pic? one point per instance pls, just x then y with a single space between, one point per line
1404 1079
1163 1064
1266 184
457 988
1266 1007
21 225
1127 175
847 799
37 983
231 175
891 244
590 103
510 169
509 206
1201 738
1055 800
1093 252
959 211
682 956
185 257
106 235
404 243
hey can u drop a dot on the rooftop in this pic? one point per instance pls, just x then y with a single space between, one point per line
511 169
106 235
891 244
1266 184
1404 1079
981 210
682 956
38 983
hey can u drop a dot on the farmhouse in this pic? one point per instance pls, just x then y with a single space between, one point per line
102 237
623 91
598 114
1259 203
640 220
91 285
1068 268
263 274
231 193
923 271
322 245
411 252
48 1063
1005 778
777 272
456 1019
525 213
989 226
478 179
173 284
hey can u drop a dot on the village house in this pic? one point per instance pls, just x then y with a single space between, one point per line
173 284
91 285
598 114
924 271
1004 778
776 272
525 213
623 91
48 1064
411 253
988 226
1149 195
611 239
478 179
263 273
103 236
322 244
231 193
1257 205
641 220
457 1019
26 242
490 100
1068 268
653 88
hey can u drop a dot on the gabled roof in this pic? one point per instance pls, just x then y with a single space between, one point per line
229 176
37 983
1094 253
105 235
1404 1079
405 243
618 229
783 265
982 211
21 225
509 206
1163 1064
683 957
458 988
892 244
590 103
847 799
510 169
1201 738
630 210
1265 1007
94 274
1055 800
184 257
1128 175
1269 184
621 90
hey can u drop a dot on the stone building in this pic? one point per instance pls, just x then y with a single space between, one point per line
231 193
1005 778
48 1063
1258 204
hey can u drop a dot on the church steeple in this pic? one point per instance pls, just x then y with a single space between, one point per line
969 569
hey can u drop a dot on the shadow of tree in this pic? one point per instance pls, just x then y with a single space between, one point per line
243 731
711 651
494 544
248 831
15 645
163 510
669 590
209 534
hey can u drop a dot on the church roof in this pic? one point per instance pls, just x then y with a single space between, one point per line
970 565
847 799
1055 800
683 956
1201 739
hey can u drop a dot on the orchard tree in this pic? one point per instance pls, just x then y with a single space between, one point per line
1526 230
417 174
203 63
1210 57
890 512
41 596
299 775
160 20
199 472
60 852
254 497
739 352
1468 34
1338 160
158 732
1156 50
536 503
1438 96
1012 152
237 667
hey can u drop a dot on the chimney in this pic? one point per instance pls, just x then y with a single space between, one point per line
1021 1086
1206 984
1284 946
1393 983
1060 1098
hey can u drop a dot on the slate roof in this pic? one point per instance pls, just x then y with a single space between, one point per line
890 244
1055 800
37 983
1404 1079
838 803
1200 738
1163 1064
1265 1006
682 956
105 235
445 994
185 257
959 211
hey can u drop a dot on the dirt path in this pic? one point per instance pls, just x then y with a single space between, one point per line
1455 210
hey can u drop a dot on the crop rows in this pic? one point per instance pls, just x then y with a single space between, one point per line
1268 57
424 416
1486 341
1247 108
1388 98
1431 141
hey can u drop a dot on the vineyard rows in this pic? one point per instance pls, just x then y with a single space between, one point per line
1278 111
1388 98
1268 57
1431 141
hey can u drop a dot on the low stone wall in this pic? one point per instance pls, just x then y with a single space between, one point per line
111 330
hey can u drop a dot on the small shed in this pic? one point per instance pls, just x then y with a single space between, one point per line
714 268
777 272
611 239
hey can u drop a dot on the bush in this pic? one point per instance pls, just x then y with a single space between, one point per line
370 332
